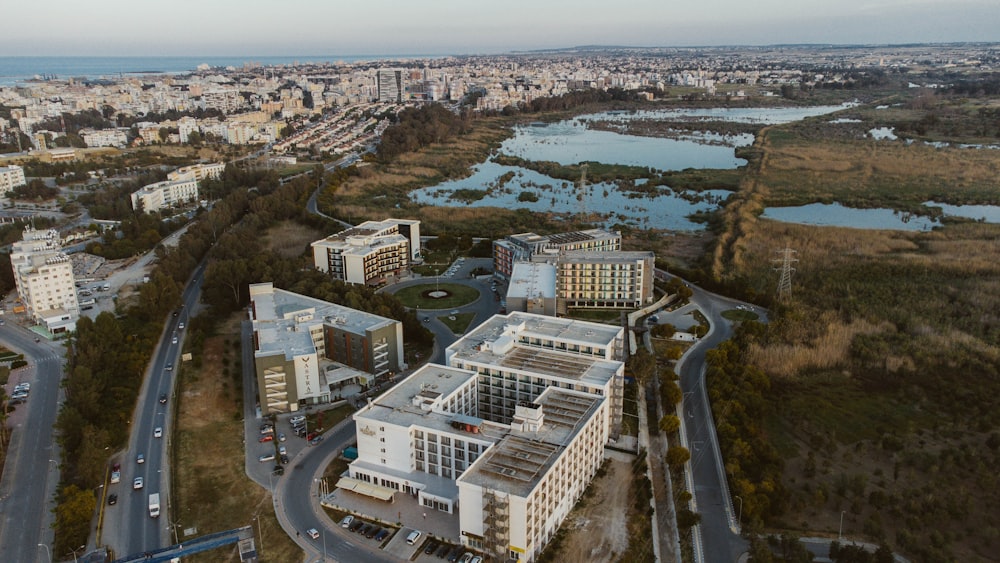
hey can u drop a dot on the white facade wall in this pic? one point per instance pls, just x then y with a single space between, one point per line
155 197
11 177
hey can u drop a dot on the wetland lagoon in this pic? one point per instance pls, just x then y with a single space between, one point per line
575 142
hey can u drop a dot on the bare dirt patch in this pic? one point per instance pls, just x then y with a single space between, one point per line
596 529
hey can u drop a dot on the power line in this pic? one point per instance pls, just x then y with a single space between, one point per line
786 269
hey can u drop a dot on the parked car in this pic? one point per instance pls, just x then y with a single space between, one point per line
278 470
365 529
312 533
346 521
284 459
431 547
297 418
266 438
373 532
265 457
443 551
383 533
356 525
282 450
281 437
413 537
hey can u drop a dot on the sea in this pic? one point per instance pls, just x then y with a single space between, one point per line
20 69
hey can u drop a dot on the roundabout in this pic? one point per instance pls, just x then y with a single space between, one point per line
436 295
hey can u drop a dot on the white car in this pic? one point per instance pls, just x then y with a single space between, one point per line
137 483
347 521
140 458
312 533
158 432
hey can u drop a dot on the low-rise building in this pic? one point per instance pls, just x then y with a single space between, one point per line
369 253
105 137
305 348
161 195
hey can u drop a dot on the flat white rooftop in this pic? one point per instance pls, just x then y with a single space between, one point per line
532 280
282 319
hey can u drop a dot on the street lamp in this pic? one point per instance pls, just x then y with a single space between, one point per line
260 532
840 534
739 515
47 552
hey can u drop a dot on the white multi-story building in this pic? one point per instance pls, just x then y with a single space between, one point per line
11 177
198 172
370 252
161 195
105 137
43 276
509 433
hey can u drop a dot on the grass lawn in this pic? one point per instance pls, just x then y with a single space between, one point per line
459 295
739 315
460 323
211 490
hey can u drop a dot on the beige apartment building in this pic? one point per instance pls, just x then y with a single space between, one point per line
43 276
11 177
604 280
369 253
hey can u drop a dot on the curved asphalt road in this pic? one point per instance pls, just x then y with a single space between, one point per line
720 541
29 478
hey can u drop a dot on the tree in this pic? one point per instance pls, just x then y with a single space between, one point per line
677 456
73 515
195 139
687 518
670 423
641 365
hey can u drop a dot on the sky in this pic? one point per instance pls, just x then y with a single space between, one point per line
396 27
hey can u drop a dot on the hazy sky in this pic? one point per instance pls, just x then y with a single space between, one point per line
378 27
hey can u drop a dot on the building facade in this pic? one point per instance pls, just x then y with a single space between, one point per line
369 253
304 348
508 434
43 276
604 280
524 246
162 195
11 177
390 84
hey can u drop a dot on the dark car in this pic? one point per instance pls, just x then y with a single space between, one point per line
284 459
112 499
431 547
116 467
365 529
278 470
454 554
357 525
442 551
315 440
163 398
382 534
373 532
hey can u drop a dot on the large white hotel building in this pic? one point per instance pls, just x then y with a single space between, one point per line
509 433
369 253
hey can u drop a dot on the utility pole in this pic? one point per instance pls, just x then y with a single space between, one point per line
786 269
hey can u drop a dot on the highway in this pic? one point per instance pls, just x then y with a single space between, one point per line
30 478
128 529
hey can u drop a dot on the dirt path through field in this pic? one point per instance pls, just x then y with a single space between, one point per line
597 530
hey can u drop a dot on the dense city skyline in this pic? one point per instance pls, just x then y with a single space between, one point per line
115 27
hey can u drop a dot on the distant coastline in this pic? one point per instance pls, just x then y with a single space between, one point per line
15 70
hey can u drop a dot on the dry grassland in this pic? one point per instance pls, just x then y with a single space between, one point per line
290 239
211 490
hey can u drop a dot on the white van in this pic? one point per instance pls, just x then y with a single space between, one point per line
414 537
